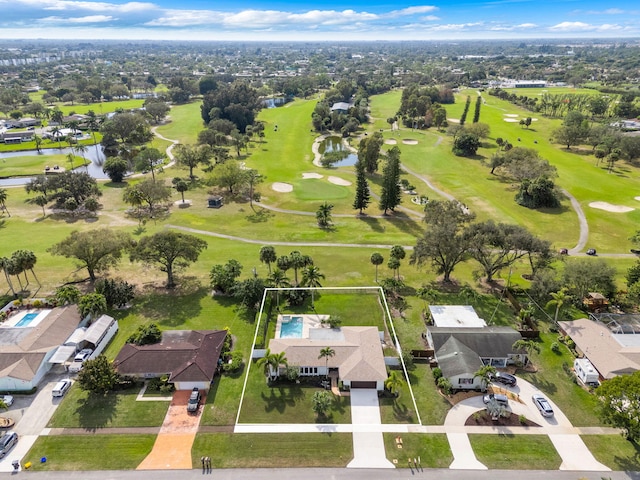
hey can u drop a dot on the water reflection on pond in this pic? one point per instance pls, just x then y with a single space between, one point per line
94 156
335 144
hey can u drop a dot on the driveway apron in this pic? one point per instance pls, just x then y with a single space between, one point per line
575 454
368 446
463 456
172 448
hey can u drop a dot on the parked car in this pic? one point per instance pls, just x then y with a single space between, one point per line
592 252
498 397
81 357
8 400
542 404
61 387
564 251
194 400
7 441
505 379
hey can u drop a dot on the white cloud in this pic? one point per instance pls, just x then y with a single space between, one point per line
454 26
87 19
411 11
527 25
571 27
429 18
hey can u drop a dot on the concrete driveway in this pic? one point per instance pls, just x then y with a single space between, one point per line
567 442
31 414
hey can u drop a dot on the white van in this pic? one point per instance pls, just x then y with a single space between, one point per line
61 387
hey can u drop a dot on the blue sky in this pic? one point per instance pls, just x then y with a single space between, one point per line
327 21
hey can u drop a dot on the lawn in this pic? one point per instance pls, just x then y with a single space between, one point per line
80 409
272 450
89 452
614 451
577 404
34 164
433 449
515 452
285 402
101 108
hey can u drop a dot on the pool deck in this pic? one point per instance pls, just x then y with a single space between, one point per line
308 322
13 320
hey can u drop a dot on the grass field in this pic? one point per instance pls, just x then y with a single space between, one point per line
615 452
515 452
89 452
433 450
269 450
116 409
34 164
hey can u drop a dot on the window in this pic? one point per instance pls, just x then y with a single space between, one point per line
465 381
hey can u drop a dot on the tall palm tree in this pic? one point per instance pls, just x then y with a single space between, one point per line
265 364
38 140
277 360
82 149
55 133
4 264
298 261
326 353
559 300
27 260
376 259
3 200
397 252
278 279
311 277
268 256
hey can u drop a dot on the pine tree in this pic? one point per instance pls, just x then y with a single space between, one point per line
476 114
363 198
390 197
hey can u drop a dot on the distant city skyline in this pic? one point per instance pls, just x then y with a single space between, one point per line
330 20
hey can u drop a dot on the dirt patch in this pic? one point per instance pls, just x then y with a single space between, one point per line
391 141
339 181
408 141
311 175
610 207
282 187
483 419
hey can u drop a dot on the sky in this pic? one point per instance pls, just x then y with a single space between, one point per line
330 20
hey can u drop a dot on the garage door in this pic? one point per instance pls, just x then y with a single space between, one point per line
363 385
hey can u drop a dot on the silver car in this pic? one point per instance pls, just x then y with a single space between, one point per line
543 405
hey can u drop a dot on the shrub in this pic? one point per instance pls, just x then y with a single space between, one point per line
522 419
146 335
437 373
292 372
555 347
296 297
445 385
407 356
235 364
37 304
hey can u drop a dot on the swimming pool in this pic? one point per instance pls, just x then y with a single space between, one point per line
27 319
291 328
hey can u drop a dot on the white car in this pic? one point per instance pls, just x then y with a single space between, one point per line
8 400
543 405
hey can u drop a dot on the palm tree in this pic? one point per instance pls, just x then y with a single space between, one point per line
376 259
38 140
394 383
277 360
398 252
323 215
268 256
82 149
394 264
278 279
41 201
3 200
528 346
70 158
326 353
55 133
560 299
4 264
486 372
298 261
311 277
26 259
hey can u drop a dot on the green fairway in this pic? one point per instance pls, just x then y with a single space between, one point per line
34 164
101 108
272 450
184 123
89 452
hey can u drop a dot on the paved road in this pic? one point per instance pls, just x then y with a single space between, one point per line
331 474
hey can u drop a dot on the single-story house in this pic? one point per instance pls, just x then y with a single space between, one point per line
28 340
611 353
358 359
460 352
341 107
188 357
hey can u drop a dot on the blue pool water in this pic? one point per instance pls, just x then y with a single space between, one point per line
292 328
27 319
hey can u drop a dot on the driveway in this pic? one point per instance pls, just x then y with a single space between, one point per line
31 414
172 448
368 446
565 438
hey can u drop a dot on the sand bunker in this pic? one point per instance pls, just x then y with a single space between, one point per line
282 187
534 119
512 115
408 141
453 120
311 175
511 120
391 141
611 208
637 198
339 181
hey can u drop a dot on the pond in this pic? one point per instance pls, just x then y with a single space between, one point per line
334 144
94 155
